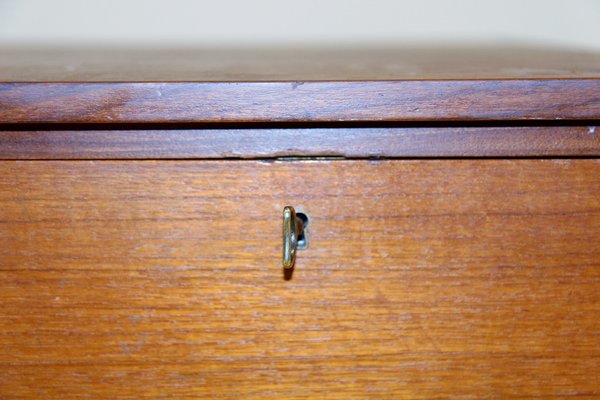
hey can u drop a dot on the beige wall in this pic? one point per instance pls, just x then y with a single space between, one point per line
234 22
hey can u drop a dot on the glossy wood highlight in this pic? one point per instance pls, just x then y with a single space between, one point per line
520 141
428 279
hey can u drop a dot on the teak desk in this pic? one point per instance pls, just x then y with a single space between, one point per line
453 205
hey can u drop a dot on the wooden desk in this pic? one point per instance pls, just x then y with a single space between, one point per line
454 235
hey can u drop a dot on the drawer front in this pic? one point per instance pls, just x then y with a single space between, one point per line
430 278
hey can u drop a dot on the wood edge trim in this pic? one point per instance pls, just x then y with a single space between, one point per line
382 142
324 101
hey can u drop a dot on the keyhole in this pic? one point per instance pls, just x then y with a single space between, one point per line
303 237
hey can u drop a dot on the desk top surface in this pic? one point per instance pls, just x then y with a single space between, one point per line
289 64
294 85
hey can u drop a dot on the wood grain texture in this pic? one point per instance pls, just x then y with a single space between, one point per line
292 142
238 102
423 279
294 64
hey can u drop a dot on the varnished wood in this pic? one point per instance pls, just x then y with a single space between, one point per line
423 279
214 102
520 141
434 84
294 64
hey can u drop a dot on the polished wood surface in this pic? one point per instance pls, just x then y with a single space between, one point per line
266 102
216 86
294 64
250 143
423 279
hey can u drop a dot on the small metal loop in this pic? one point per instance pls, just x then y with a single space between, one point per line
292 229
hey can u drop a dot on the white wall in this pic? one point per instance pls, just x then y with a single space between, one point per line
265 22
